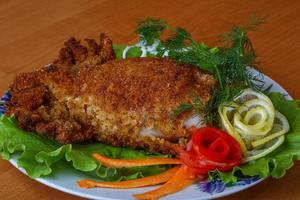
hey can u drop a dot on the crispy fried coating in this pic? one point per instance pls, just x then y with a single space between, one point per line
87 95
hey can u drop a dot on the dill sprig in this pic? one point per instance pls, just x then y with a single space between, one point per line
180 109
227 63
198 107
203 110
150 29
178 40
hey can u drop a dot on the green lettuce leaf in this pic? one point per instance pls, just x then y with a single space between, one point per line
133 52
38 154
118 49
279 161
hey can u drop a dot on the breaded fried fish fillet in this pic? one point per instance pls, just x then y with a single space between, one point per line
86 95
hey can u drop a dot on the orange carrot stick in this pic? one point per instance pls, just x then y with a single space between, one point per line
119 163
142 182
182 179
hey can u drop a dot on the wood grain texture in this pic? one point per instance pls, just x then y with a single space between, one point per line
31 33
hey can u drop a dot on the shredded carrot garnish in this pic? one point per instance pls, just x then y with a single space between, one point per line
142 182
182 179
119 163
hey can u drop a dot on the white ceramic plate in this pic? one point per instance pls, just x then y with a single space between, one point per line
65 179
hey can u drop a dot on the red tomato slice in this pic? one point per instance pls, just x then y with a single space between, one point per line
211 149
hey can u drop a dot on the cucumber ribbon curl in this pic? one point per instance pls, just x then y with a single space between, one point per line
253 121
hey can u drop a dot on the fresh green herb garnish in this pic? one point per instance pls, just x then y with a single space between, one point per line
150 29
180 109
179 40
227 63
198 107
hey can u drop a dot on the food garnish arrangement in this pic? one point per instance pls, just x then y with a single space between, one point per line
167 111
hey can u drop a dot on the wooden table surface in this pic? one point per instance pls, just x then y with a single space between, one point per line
31 33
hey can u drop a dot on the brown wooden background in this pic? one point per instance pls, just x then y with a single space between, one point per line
31 33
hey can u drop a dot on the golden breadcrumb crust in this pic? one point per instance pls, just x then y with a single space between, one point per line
87 95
